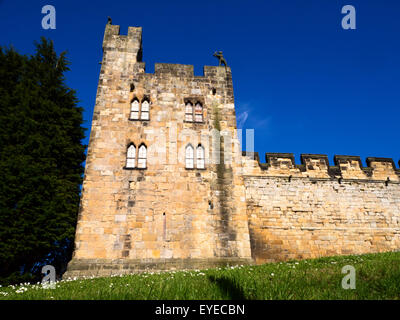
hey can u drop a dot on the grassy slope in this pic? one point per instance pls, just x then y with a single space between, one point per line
377 277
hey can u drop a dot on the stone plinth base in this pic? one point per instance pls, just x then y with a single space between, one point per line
80 268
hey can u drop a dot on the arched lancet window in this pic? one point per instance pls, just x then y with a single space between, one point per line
200 164
131 156
198 112
189 111
145 115
142 157
134 110
189 157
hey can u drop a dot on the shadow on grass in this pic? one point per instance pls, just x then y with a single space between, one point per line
228 288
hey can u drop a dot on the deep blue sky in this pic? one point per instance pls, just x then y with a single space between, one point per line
302 82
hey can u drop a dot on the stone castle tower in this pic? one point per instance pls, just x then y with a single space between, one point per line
166 185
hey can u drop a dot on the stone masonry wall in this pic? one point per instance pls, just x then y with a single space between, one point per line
234 211
313 210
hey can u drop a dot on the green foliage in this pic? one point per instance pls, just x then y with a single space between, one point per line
41 159
377 277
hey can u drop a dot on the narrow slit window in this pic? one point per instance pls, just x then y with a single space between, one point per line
198 112
145 115
164 227
200 157
142 157
189 157
131 157
134 110
189 112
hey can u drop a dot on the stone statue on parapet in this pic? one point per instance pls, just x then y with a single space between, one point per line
109 21
220 57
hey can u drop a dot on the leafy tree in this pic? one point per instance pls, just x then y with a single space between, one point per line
41 159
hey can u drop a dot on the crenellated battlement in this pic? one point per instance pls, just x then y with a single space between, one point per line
187 71
317 166
131 44
177 70
112 33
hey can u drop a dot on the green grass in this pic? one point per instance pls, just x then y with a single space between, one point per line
377 277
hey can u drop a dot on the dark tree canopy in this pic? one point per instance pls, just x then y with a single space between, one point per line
41 159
